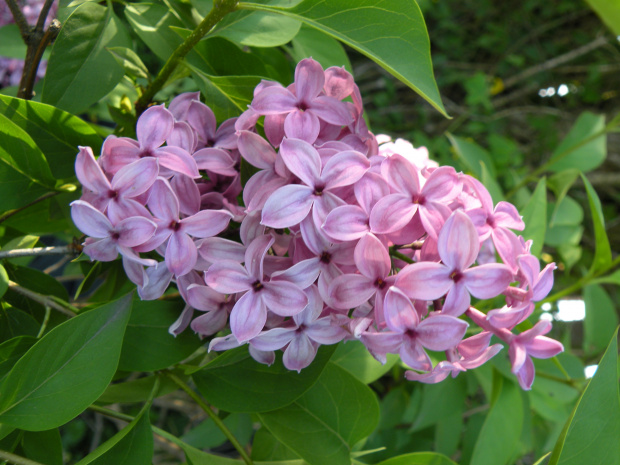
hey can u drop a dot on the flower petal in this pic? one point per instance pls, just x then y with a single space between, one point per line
181 254
424 281
372 258
228 277
177 160
392 213
287 206
283 298
441 332
300 353
206 223
89 220
350 290
154 126
302 159
248 317
487 281
302 125
344 169
458 242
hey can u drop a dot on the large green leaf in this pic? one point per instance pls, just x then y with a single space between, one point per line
592 431
500 433
313 43
12 350
601 319
355 358
56 132
579 150
4 281
152 23
257 29
80 70
24 172
535 217
43 446
137 390
602 250
147 345
419 458
323 424
609 12
228 96
235 382
66 370
393 34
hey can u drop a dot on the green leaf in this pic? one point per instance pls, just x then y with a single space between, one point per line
147 345
419 458
133 445
228 96
130 61
580 149
11 43
24 172
560 183
592 431
152 24
601 319
500 433
613 278
355 358
80 70
535 217
257 29
56 132
12 350
602 250
15 322
472 155
235 382
438 402
67 370
4 281
207 435
609 12
137 390
43 446
313 43
491 184
392 34
323 424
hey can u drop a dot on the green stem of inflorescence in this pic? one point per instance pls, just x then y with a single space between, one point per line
220 9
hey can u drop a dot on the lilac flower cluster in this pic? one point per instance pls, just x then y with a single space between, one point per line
339 235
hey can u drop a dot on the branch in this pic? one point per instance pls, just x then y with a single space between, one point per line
557 61
16 459
45 300
9 214
30 73
220 9
71 249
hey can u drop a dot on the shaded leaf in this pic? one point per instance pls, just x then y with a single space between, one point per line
312 43
472 155
4 281
152 24
80 70
391 34
601 319
323 424
419 458
12 350
147 345
130 61
535 217
592 431
602 250
235 382
137 390
43 446
66 370
56 132
355 358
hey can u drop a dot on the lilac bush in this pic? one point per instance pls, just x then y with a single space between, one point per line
337 235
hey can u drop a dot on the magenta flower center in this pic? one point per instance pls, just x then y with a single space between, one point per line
456 276
325 257
257 286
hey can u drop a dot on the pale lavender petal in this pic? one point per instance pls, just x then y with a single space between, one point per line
118 152
215 249
224 343
458 243
130 254
177 160
351 290
435 376
303 274
302 125
255 255
441 332
259 188
507 245
482 358
346 223
312 238
135 178
202 119
158 280
283 298
187 193
134 231
372 258
331 110
424 281
273 339
302 159
473 346
134 271
442 185
204 298
544 284
183 136
121 208
300 353
399 313
309 79
543 347
518 356
89 220
180 104
210 323
382 343
433 215
413 355
324 331
457 300
526 373
483 194
508 216
89 173
273 101
256 150
323 205
338 82
206 223
266 357
228 277
401 175
274 129
344 169
487 281
181 254
182 322
287 206
392 213
163 202
154 126
248 317
103 250
215 160
370 189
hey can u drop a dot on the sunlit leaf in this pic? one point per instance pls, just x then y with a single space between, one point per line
602 250
472 155
535 217
601 319
356 359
